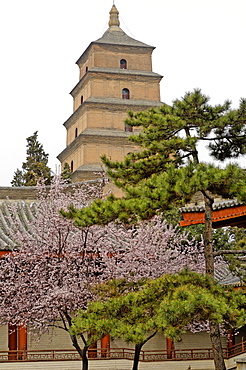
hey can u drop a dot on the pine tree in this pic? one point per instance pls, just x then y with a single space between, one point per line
168 170
36 165
66 173
168 304
18 178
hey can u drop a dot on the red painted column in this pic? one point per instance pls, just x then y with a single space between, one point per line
22 342
105 346
170 348
231 338
12 342
230 342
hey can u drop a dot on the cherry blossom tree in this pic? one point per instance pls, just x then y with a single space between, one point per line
54 266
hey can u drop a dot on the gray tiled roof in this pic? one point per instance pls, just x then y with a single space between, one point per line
26 211
216 206
116 36
224 276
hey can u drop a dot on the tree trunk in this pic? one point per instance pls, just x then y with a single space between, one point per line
215 338
208 236
138 348
209 261
136 356
81 352
85 362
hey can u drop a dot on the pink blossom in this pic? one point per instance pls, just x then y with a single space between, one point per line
54 265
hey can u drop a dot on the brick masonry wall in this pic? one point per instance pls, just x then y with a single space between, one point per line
27 193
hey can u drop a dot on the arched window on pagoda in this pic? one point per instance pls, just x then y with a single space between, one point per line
71 167
125 94
123 64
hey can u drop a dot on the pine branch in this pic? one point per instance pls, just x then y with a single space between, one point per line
225 251
227 137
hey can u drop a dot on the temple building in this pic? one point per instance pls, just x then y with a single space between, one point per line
115 76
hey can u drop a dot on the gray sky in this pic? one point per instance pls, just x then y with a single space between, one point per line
198 44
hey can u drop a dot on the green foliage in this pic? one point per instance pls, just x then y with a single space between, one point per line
36 165
66 173
117 288
18 178
167 304
167 170
235 239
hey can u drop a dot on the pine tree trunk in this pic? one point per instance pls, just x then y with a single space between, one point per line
138 348
208 236
215 338
136 356
209 261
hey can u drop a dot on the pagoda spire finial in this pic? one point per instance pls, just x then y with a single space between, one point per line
114 17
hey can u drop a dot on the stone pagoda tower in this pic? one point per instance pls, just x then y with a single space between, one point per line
115 77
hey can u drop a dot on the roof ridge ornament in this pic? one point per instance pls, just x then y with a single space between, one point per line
114 17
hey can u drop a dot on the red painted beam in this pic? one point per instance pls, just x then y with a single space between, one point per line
229 216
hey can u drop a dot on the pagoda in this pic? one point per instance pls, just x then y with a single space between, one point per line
115 76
